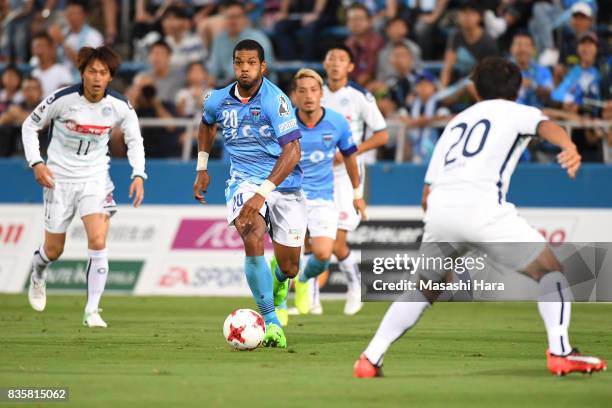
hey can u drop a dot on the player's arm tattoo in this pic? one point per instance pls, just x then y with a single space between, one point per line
287 161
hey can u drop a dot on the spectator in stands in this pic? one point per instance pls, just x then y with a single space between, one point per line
423 16
186 46
220 64
537 79
12 118
147 16
167 79
580 24
10 93
393 93
424 109
78 34
468 45
579 92
189 99
397 33
297 27
16 17
51 74
144 96
364 43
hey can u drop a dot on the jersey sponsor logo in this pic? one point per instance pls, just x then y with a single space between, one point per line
50 99
286 126
86 129
283 106
35 117
328 138
106 111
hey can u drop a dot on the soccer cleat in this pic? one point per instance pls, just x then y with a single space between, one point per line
274 337
302 297
364 369
353 302
37 294
573 362
281 289
283 316
293 311
316 309
93 319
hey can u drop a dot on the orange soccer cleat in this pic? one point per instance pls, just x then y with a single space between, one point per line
573 362
364 369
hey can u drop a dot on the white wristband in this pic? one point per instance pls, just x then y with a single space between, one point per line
266 188
357 193
202 161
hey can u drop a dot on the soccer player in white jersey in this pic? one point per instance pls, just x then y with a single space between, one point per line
75 177
465 202
359 107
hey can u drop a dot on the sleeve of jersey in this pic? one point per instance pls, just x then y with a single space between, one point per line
372 115
209 110
35 122
527 120
346 144
282 118
133 140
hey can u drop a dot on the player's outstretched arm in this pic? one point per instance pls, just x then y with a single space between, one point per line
350 162
377 139
206 136
569 158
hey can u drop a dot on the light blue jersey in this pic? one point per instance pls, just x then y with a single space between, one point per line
254 132
318 149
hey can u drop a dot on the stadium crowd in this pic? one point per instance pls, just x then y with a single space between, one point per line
414 56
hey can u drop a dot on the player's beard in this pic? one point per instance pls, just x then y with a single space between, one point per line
250 84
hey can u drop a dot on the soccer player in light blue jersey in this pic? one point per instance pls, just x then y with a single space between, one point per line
264 191
323 132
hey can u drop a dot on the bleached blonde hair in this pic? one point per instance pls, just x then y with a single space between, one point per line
306 73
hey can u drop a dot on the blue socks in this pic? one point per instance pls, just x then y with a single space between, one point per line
281 277
313 268
260 281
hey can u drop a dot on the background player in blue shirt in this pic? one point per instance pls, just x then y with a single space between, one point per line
323 131
264 189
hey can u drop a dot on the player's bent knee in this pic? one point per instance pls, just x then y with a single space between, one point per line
53 251
97 242
322 255
289 268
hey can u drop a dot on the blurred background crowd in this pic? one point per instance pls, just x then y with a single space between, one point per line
415 56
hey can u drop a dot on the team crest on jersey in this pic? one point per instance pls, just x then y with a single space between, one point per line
283 106
328 138
255 112
106 111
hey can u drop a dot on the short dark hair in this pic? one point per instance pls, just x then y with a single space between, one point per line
249 45
497 78
344 48
394 20
104 54
13 67
231 3
43 35
80 3
523 33
176 11
161 43
359 6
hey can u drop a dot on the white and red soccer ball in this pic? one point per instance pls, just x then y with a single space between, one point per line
244 329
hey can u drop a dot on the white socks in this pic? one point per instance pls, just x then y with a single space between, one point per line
554 304
349 267
400 317
39 265
97 272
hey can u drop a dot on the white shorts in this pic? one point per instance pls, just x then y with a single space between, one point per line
498 230
348 217
62 202
322 218
284 213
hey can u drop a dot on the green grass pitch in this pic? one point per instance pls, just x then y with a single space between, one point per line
170 352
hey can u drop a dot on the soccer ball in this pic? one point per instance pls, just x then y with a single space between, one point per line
244 329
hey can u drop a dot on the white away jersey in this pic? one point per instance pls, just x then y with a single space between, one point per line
359 107
79 133
479 149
